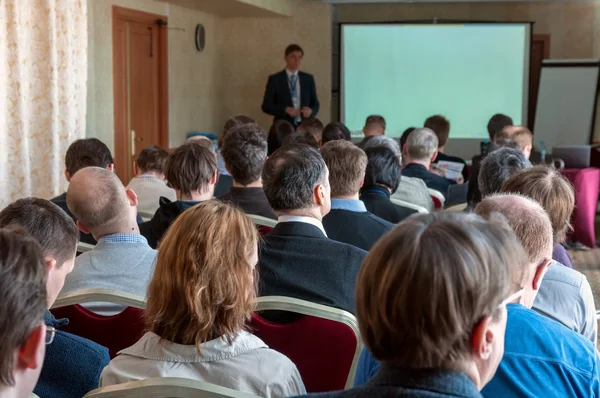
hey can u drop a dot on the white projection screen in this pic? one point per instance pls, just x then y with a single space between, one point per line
407 72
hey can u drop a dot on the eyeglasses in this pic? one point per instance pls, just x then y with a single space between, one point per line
512 299
50 333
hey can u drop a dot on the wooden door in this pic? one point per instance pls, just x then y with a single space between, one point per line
140 85
540 50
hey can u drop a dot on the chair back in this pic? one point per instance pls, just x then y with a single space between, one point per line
457 208
438 199
114 332
263 230
262 221
145 216
324 344
83 247
166 387
402 203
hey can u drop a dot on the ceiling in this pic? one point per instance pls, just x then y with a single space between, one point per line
231 8
430 1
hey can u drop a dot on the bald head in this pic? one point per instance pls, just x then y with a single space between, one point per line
100 202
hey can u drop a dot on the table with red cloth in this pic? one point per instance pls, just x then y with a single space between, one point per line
586 183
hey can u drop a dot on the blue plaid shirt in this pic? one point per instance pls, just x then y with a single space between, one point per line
120 238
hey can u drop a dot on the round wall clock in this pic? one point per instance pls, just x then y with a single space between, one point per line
200 37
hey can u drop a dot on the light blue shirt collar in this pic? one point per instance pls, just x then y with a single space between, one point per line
120 238
354 205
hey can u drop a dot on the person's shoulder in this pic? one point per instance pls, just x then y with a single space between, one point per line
84 349
560 274
305 74
380 221
413 182
277 74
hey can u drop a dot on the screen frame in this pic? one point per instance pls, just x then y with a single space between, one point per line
435 21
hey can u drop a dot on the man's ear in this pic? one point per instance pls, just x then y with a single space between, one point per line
527 151
362 180
214 178
540 271
50 264
67 175
405 150
111 167
135 169
227 168
82 228
28 357
434 155
482 339
132 196
319 194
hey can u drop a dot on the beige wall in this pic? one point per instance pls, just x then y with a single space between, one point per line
227 78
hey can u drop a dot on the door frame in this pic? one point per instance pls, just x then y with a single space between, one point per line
544 39
122 134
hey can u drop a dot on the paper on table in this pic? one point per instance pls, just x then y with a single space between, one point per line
452 170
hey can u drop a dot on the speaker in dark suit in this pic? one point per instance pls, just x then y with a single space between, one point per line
298 260
290 94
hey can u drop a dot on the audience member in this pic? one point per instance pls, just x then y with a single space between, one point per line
245 151
565 294
87 152
301 138
280 129
441 127
411 190
540 354
200 298
313 126
404 136
202 140
498 167
382 179
420 149
149 183
72 364
349 221
336 131
122 260
473 194
431 306
24 335
522 135
317 269
374 127
192 171
496 124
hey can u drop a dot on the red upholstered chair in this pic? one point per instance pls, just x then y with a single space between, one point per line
115 332
263 230
438 199
324 344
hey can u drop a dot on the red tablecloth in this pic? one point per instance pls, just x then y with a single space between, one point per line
586 183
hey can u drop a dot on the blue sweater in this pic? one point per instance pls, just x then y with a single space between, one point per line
72 365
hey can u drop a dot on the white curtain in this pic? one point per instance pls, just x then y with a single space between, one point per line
43 76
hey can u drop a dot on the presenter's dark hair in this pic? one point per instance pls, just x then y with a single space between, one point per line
292 48
87 152
336 131
280 129
290 176
383 168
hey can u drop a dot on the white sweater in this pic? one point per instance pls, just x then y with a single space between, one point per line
149 189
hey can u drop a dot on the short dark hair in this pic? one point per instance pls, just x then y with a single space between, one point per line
244 151
383 167
87 152
405 135
24 297
440 126
190 168
375 120
497 123
47 223
290 176
304 137
152 158
232 122
336 131
347 164
292 48
279 130
497 167
314 126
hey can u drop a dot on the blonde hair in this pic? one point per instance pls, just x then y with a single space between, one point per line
204 285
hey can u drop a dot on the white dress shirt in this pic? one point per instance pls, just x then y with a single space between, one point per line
306 220
247 365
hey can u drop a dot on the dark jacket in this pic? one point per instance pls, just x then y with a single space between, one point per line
432 180
474 195
278 96
360 229
223 185
455 159
72 365
391 382
250 200
297 260
168 212
377 200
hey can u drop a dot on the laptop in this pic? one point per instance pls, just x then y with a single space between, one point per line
574 156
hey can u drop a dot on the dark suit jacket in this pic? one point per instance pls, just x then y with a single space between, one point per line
357 229
278 96
250 200
473 195
223 185
432 180
377 200
168 212
297 260
411 383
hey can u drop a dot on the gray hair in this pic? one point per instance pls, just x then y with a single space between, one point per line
383 141
421 144
498 167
